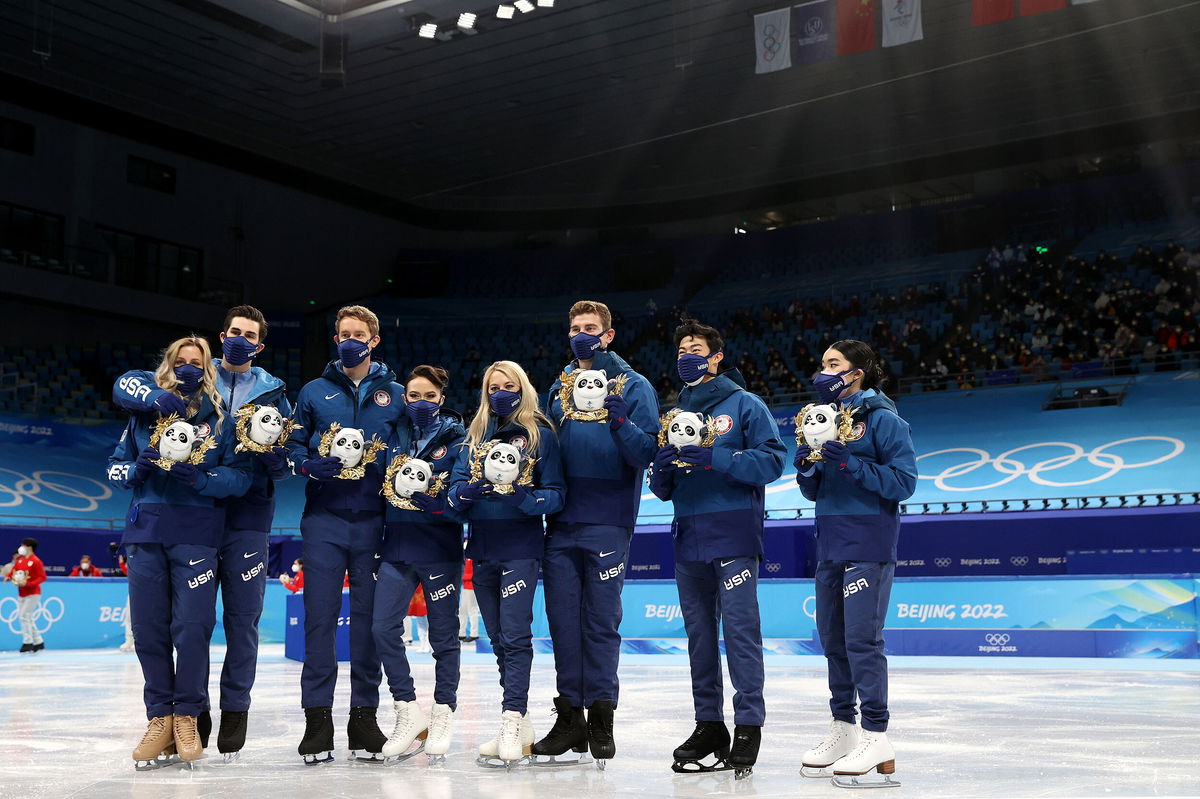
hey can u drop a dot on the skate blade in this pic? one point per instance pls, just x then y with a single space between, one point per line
564 760
229 758
436 760
817 772
493 761
696 767
371 757
317 759
868 780
743 772
157 763
407 754
600 764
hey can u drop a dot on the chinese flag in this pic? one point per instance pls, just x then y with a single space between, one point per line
855 26
1031 7
985 12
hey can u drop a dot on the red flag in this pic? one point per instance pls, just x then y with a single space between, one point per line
1031 7
985 12
855 26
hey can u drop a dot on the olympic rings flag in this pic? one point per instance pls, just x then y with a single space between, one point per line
1102 462
772 40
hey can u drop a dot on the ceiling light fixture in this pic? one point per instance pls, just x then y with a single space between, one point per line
466 21
428 30
524 6
505 11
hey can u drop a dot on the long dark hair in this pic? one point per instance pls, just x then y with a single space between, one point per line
861 356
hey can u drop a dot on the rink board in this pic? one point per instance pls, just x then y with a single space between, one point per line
1127 617
89 613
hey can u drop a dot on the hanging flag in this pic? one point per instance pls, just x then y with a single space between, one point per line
773 40
855 26
985 12
902 22
814 31
1031 7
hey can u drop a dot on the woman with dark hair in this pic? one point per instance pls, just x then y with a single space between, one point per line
422 551
858 487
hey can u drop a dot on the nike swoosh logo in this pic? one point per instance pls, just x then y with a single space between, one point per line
606 554
437 576
850 568
194 562
726 563
252 554
377 556
334 394
505 574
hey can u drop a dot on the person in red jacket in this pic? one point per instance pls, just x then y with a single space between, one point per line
468 610
85 568
296 584
27 575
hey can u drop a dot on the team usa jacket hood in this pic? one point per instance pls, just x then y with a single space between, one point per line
858 509
719 511
604 467
373 406
414 536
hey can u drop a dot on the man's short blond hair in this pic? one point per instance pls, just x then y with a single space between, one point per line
362 314
591 306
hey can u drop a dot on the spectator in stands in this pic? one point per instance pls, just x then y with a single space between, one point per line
858 487
294 582
85 568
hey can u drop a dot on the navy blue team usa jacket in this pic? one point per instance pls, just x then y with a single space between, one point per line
498 530
858 510
719 511
374 407
604 468
256 509
164 510
415 536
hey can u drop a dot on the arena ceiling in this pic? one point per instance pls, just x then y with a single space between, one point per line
594 111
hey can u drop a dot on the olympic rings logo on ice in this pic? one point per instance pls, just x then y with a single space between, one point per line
80 494
997 639
1011 468
43 618
810 607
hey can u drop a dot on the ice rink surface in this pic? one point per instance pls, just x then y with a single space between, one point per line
962 727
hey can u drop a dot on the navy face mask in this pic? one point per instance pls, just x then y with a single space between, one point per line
352 352
585 346
503 403
829 386
692 368
237 350
422 412
189 378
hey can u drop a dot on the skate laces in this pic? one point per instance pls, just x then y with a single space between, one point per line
832 739
439 722
156 728
401 721
189 731
510 731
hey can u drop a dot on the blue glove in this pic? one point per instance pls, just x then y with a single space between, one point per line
618 411
167 403
190 475
838 454
435 505
664 460
322 469
800 461
143 467
515 498
697 456
276 462
474 491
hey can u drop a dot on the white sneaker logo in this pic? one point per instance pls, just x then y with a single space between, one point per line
334 394
377 556
437 576
194 562
606 554
505 574
252 554
727 562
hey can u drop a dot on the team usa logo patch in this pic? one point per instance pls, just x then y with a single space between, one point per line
382 398
858 431
438 454
202 430
520 442
723 424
